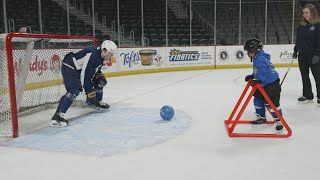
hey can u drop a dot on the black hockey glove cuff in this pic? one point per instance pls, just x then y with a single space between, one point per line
248 78
100 80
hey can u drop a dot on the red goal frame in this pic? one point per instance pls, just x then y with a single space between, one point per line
12 91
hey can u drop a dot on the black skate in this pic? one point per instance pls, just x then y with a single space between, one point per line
58 120
101 106
259 120
303 99
318 101
279 125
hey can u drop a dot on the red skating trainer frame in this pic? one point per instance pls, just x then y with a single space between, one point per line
231 123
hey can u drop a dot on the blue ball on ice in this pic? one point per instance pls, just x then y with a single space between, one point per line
167 112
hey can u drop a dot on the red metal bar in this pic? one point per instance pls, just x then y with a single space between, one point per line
12 88
239 102
236 121
267 98
53 36
249 122
243 107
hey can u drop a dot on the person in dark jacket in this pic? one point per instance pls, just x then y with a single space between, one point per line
307 50
82 71
265 74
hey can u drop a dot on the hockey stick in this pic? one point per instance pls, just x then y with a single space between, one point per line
286 72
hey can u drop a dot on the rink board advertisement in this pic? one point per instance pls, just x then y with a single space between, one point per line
140 58
44 65
190 56
227 55
110 68
280 54
235 55
164 57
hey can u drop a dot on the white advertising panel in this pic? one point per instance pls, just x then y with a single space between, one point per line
140 58
280 54
110 67
228 55
190 56
45 64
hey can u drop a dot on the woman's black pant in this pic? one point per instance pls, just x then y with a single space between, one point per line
305 64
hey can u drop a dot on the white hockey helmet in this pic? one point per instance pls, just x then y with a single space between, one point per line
110 46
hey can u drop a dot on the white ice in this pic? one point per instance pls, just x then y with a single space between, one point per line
204 151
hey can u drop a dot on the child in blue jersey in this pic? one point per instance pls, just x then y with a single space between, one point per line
265 74
82 70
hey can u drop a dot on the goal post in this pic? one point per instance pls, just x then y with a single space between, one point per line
30 77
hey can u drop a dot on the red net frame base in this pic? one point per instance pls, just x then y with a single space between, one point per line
231 123
10 61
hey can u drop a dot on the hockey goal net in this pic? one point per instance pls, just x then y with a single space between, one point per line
30 77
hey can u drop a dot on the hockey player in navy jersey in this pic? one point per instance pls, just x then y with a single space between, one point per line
265 74
82 71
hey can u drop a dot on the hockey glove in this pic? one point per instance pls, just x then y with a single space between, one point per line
315 59
248 78
255 81
91 98
295 55
100 80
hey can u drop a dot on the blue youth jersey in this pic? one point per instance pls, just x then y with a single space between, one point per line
88 61
263 69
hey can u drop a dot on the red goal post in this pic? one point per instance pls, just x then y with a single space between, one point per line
30 77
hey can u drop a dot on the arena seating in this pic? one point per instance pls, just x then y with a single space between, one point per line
279 20
54 18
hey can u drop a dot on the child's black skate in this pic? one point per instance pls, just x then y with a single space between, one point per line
259 120
279 125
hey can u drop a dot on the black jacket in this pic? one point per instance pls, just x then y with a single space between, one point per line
308 39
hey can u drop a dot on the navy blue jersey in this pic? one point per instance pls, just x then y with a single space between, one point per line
89 62
263 69
308 39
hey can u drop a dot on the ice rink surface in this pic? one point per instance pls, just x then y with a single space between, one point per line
193 146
